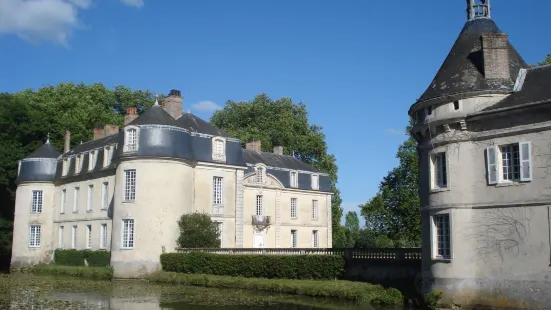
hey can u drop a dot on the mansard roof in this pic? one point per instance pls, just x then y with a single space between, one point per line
155 115
94 144
45 151
462 71
195 124
275 160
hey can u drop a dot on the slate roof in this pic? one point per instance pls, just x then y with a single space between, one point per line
94 144
276 160
155 115
536 88
45 151
462 71
195 124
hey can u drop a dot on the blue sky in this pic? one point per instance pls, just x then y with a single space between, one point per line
357 65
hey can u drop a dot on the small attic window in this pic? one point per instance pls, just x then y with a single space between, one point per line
92 160
66 162
219 149
107 151
428 110
315 181
293 176
131 139
456 105
260 174
78 163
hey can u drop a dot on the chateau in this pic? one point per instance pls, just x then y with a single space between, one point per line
483 128
125 190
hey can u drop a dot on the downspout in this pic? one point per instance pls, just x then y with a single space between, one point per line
235 211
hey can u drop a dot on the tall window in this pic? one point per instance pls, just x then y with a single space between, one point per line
131 140
65 166
91 160
315 239
74 237
314 209
34 236
36 204
127 234
104 195
442 234
259 205
294 178
315 181
260 175
61 244
293 208
63 200
440 173
75 199
510 162
90 204
78 163
293 238
107 155
88 236
103 236
130 185
217 190
218 149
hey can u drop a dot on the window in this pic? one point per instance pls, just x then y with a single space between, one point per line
88 236
103 236
428 111
293 208
293 175
314 209
129 185
65 165
442 246
456 105
63 200
107 156
74 237
515 164
61 244
91 160
34 236
36 203
259 205
219 230
104 195
127 234
75 199
315 181
131 140
90 204
217 197
218 149
78 163
439 171
315 243
260 174
293 238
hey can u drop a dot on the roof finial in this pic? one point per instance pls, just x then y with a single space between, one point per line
478 9
157 99
48 139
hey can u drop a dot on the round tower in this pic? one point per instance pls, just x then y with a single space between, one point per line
34 207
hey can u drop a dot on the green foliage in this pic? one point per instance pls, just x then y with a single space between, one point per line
352 226
432 299
105 273
363 293
256 266
547 61
282 123
77 257
197 231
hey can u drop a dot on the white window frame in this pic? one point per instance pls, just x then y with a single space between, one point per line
60 237
259 205
129 190
107 153
89 236
104 195
66 164
74 231
315 239
63 201
434 236
437 159
90 200
294 208
34 236
76 193
78 163
293 178
129 242
315 181
494 163
37 201
260 176
294 238
131 147
92 160
103 236
219 149
217 195
315 209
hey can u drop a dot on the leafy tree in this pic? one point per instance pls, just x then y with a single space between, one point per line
547 61
352 225
283 123
394 211
197 231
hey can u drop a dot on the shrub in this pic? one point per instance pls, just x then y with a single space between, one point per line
77 257
256 266
105 273
433 298
197 231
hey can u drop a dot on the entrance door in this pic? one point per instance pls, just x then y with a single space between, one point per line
258 241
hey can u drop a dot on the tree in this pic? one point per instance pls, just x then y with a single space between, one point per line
352 225
283 123
198 231
394 211
547 61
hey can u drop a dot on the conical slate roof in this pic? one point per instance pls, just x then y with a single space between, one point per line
462 71
45 151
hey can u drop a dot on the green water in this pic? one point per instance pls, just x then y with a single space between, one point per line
24 291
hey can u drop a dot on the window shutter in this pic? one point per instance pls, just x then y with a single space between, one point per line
525 149
491 154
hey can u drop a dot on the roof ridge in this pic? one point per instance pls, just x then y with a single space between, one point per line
539 67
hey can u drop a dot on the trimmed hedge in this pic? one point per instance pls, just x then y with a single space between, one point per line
99 273
77 257
256 266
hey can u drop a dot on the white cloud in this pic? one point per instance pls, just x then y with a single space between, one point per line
134 3
206 106
394 132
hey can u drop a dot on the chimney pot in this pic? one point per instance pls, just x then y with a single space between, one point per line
99 133
495 54
131 115
254 145
67 144
173 104
110 130
278 150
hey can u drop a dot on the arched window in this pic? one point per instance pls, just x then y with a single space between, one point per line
293 177
219 149
315 181
260 174
131 139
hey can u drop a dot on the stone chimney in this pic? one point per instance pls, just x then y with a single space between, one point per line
99 133
131 114
278 150
495 54
110 130
254 145
173 104
67 145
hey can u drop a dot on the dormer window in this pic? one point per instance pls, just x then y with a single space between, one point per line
92 160
260 174
107 151
315 181
293 176
428 111
66 162
219 149
131 139
78 163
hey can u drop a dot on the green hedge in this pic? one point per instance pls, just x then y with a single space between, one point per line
103 273
256 266
77 257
